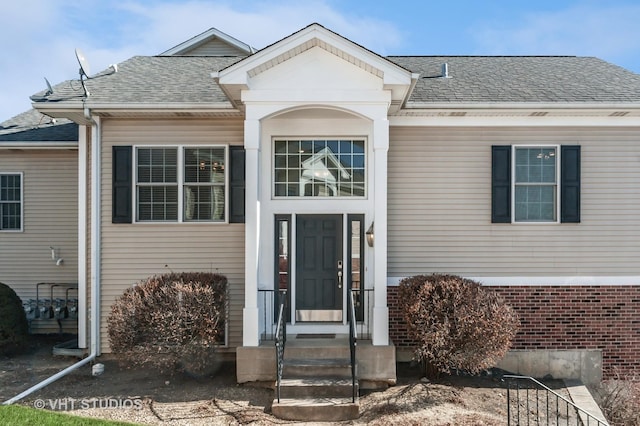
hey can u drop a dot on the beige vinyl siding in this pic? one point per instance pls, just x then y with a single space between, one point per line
50 218
132 252
440 206
214 47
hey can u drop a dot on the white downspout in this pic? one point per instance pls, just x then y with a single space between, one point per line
95 264
82 236
96 225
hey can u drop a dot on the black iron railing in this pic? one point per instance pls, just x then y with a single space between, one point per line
267 308
363 301
268 302
268 305
353 338
531 402
280 340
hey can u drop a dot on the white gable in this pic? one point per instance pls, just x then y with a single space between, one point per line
316 69
316 62
212 42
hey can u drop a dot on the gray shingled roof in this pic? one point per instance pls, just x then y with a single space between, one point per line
520 79
32 126
152 80
474 79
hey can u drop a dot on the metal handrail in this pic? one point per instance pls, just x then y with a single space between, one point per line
267 306
280 341
353 336
579 411
363 300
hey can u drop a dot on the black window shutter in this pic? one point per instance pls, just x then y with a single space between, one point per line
501 184
570 184
122 184
236 184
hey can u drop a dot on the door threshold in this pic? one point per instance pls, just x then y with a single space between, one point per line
338 329
315 336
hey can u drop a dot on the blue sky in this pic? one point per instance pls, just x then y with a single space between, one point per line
39 36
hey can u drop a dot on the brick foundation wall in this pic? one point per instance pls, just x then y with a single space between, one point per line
565 318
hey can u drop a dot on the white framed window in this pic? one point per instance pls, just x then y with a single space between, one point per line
11 199
319 168
535 190
181 184
157 184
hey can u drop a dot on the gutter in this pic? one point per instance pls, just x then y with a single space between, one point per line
37 145
412 86
161 107
577 106
95 263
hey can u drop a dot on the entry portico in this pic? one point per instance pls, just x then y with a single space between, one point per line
316 136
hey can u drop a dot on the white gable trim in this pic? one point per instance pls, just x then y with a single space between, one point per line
312 36
210 34
395 79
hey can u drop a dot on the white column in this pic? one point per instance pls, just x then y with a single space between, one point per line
380 310
250 317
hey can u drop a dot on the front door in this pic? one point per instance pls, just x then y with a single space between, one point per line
319 269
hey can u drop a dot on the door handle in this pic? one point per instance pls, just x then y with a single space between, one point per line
339 274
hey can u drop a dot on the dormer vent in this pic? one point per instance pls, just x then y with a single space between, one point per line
445 70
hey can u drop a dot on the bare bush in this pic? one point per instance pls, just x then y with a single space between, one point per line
457 324
174 321
619 399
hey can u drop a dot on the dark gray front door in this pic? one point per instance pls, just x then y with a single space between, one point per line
319 268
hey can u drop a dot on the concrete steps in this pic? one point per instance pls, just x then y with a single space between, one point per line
316 409
326 387
317 367
317 382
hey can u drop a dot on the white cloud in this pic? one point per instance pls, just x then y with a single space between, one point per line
607 31
43 34
40 38
259 23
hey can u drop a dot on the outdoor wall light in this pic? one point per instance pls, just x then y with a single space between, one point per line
369 235
55 256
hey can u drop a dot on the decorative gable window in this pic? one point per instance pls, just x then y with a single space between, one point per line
178 184
319 168
10 202
535 184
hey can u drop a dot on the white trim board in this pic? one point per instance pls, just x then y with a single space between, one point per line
630 280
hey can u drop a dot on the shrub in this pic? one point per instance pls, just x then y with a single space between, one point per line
457 324
619 399
173 321
14 329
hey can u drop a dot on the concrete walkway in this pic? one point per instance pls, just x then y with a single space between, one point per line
581 396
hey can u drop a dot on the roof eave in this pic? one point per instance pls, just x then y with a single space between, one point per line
81 114
523 105
38 144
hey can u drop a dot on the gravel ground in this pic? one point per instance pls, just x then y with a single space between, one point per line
147 396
